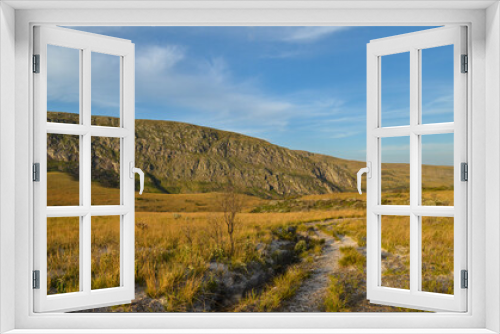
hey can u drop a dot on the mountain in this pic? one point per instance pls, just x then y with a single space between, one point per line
184 158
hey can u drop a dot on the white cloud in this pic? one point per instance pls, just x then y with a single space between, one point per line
156 58
296 35
344 134
170 81
63 79
393 148
442 104
340 126
208 89
285 54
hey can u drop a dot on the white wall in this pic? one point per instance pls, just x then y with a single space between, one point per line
492 165
7 160
123 17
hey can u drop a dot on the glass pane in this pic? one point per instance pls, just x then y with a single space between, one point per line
395 89
105 252
105 171
63 255
63 84
437 254
395 171
105 90
437 170
63 170
437 84
395 251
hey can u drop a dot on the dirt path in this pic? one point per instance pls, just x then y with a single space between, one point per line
310 295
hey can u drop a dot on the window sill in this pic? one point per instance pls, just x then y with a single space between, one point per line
251 331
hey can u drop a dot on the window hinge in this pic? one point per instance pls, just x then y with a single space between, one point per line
465 279
465 64
36 279
36 172
464 171
36 63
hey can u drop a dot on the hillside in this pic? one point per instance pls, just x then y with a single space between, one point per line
184 158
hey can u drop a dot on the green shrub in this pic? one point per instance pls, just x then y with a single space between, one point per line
301 246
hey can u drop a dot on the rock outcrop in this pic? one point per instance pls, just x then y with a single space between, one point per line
185 158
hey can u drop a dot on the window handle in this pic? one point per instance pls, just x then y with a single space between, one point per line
133 170
368 171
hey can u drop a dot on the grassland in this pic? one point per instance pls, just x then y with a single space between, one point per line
182 244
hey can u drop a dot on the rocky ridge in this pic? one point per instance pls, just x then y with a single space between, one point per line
184 158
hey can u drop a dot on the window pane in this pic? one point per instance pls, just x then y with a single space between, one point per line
395 171
63 170
63 84
63 255
437 84
395 89
395 251
437 254
105 171
105 252
105 90
437 170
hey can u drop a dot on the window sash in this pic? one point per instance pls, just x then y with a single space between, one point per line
413 43
87 43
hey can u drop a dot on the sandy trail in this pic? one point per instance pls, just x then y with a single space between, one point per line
312 292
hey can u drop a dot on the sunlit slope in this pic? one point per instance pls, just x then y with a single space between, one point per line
63 190
185 158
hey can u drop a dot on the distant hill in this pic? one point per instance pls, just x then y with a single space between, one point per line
184 158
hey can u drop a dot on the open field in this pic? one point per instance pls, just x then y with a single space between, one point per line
186 259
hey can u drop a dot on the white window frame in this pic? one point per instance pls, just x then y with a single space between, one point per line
414 43
484 212
86 44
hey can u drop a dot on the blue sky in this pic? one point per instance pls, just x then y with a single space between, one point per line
299 87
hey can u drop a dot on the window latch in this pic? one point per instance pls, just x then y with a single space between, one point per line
133 170
368 171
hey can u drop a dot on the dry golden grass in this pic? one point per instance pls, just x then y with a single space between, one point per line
437 188
63 255
439 197
335 196
174 248
437 177
395 182
437 254
105 252
281 289
351 257
437 250
62 189
205 202
396 241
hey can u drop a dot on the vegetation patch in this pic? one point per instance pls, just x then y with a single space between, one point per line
273 296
